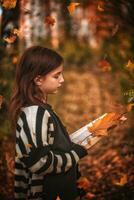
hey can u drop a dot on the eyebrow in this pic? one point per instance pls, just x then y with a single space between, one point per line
57 73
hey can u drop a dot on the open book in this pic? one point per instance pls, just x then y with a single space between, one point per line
92 132
83 137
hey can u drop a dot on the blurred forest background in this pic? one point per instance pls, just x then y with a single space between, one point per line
96 39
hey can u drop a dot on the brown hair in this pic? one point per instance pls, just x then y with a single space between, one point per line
35 61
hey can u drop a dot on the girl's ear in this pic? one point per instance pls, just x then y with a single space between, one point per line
38 80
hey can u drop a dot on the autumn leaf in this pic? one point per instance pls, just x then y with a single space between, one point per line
8 4
89 195
1 100
72 6
101 126
130 106
130 65
49 20
83 182
15 60
11 39
104 65
29 145
13 36
10 162
100 7
123 180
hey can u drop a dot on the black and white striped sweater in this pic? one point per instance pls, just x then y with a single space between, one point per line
42 147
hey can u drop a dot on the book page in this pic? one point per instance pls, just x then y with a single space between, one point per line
83 136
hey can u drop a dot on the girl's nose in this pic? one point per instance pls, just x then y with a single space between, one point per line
61 79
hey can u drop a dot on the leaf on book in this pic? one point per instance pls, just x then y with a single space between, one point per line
101 126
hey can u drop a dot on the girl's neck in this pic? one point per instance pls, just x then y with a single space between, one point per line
44 100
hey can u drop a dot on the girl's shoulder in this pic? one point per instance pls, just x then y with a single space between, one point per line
37 109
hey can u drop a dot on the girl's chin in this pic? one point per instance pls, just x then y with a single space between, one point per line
54 92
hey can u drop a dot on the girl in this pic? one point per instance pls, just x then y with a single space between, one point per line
46 159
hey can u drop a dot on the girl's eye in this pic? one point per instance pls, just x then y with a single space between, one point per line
56 76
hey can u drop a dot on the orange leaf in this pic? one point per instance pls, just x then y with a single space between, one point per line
130 65
10 39
90 195
8 4
15 60
29 145
1 100
100 8
49 20
101 126
83 182
123 180
72 6
104 65
130 106
10 162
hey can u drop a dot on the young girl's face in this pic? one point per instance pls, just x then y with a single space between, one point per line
50 83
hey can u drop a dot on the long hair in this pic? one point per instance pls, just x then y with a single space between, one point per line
35 61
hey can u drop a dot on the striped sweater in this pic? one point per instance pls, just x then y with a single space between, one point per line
36 153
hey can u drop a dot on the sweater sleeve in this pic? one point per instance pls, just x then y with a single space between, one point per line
32 145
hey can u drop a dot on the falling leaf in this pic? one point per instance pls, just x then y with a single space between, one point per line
72 6
11 39
29 145
123 180
101 126
83 182
1 100
100 7
104 65
8 4
115 29
49 20
130 106
130 65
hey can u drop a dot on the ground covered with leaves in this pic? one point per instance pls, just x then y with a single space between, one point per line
107 171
